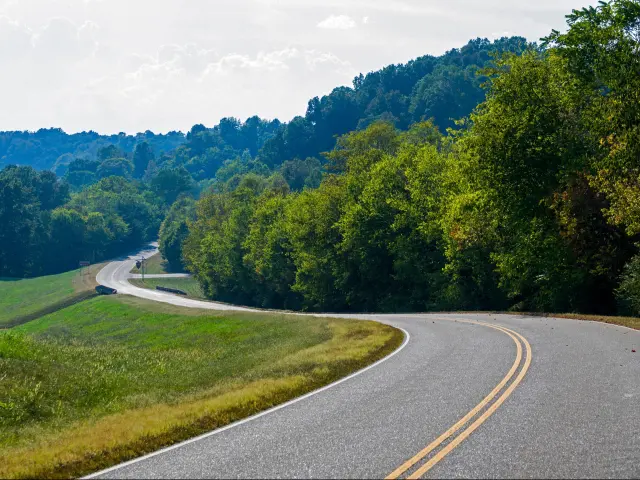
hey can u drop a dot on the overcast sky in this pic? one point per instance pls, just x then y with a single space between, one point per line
133 65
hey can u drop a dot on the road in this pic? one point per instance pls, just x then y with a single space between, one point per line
468 395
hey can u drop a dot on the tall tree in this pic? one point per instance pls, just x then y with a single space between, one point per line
142 155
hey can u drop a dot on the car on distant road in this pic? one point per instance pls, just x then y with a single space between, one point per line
102 290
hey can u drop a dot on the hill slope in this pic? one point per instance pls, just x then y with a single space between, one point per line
443 87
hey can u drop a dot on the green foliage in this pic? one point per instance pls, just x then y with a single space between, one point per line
531 204
174 231
112 166
169 183
444 89
54 149
628 293
26 197
142 155
45 231
601 52
334 247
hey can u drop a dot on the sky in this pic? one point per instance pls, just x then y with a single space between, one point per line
134 65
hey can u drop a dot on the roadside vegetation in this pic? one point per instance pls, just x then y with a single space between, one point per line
188 285
113 378
22 300
532 202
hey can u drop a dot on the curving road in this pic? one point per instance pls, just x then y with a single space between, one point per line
468 395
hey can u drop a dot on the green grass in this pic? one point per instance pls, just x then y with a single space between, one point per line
155 265
188 285
22 300
116 377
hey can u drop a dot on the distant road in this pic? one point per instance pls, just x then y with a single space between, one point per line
469 395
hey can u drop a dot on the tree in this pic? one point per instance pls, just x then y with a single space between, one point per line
110 151
600 49
118 167
142 155
169 183
174 231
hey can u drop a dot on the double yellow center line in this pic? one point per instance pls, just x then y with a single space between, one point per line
520 341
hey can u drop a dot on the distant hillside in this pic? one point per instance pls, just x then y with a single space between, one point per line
53 148
443 88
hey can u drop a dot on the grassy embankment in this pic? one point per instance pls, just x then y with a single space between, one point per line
113 378
188 285
23 300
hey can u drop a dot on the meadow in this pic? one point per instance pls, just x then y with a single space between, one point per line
113 378
23 299
188 285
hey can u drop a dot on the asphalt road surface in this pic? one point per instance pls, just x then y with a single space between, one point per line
468 395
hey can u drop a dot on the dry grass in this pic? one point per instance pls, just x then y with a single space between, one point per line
79 447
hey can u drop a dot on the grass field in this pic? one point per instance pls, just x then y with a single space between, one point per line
155 265
113 378
188 285
22 300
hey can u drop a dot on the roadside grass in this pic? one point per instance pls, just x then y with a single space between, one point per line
156 265
117 377
188 285
22 300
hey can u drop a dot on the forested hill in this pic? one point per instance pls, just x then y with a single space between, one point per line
444 88
533 205
53 149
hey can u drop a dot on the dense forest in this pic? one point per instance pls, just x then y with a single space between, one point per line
131 181
501 175
531 203
53 149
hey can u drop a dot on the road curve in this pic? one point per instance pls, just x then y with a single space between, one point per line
470 395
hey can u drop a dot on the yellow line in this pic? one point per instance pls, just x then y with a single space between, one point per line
460 438
423 453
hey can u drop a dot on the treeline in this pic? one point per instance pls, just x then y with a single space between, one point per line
53 149
46 229
532 204
442 88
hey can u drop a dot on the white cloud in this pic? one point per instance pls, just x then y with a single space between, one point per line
365 20
338 22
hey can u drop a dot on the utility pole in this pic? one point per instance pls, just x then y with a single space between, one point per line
141 265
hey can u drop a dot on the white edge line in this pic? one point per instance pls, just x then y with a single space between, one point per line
407 337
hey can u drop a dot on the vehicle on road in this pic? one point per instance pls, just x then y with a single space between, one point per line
103 290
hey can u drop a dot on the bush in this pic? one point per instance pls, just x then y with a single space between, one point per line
628 293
